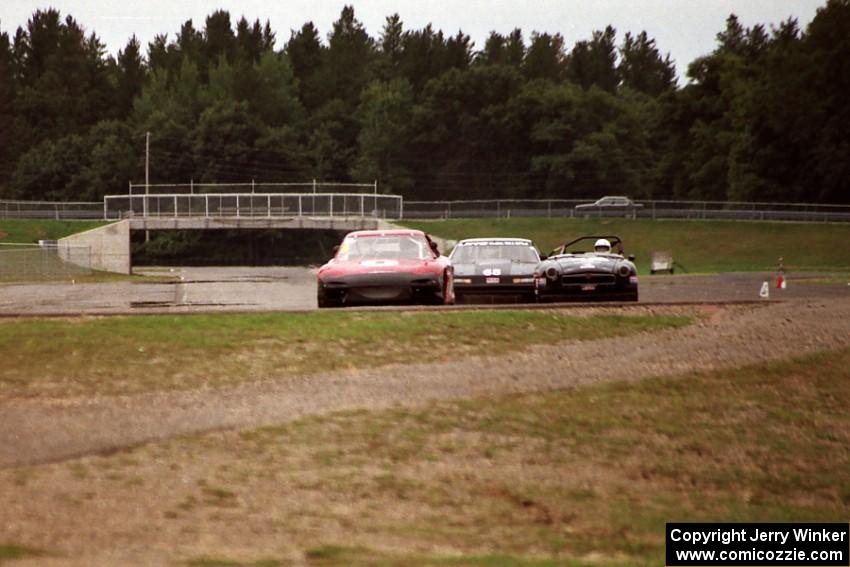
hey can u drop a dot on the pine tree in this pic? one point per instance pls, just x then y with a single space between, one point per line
306 54
7 111
642 68
130 74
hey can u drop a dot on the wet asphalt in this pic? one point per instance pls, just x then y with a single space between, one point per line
228 289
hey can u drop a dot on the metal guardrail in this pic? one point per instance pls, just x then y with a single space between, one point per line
252 205
655 209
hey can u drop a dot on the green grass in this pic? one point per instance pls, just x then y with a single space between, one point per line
697 246
31 231
331 555
9 552
593 472
135 354
19 231
214 562
583 476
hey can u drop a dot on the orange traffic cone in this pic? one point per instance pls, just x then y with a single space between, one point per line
780 282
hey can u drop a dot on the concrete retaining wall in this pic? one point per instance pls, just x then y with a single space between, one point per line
109 245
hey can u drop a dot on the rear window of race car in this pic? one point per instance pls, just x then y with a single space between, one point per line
383 247
484 251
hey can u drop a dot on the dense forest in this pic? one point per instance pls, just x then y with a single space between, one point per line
764 116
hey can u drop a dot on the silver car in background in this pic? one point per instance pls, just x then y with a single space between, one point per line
612 206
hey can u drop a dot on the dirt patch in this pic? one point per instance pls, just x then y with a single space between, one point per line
3 234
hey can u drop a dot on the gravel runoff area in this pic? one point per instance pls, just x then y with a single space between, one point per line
38 431
211 289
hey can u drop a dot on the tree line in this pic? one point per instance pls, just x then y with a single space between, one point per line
762 117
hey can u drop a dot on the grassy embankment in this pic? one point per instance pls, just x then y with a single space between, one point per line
121 355
20 231
586 476
697 246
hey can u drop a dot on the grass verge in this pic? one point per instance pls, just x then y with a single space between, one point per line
121 355
20 231
215 562
697 246
9 552
594 473
584 476
30 232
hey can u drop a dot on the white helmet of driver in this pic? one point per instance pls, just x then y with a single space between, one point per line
602 246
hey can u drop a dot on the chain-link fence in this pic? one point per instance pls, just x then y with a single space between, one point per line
489 208
47 260
275 199
50 210
656 209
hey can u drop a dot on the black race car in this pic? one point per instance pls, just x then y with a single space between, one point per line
590 268
494 269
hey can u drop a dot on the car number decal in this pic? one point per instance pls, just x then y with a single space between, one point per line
378 263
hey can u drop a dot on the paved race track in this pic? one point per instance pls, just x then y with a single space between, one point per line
294 289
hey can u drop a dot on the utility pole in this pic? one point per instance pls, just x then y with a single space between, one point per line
147 180
147 169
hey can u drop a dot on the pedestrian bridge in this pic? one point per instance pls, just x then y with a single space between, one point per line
241 206
110 245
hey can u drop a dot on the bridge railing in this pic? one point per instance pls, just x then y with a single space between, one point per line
253 205
251 187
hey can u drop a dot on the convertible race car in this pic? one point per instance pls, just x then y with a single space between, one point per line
386 266
599 274
494 269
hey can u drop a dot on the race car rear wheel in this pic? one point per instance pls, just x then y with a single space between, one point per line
445 295
449 297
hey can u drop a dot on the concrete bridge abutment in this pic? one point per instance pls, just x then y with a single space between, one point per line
110 245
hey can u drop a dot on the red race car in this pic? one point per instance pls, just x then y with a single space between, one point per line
386 267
